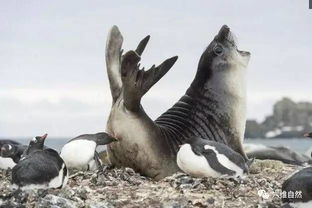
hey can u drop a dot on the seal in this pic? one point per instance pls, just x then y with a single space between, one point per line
88 158
40 167
203 158
213 107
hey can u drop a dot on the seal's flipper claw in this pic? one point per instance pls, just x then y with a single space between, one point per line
139 50
112 55
137 82
154 74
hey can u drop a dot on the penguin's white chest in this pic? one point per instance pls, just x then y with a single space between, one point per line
60 180
78 153
193 164
6 163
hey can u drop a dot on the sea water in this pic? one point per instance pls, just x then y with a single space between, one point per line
297 144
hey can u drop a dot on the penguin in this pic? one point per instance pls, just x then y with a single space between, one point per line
283 154
85 146
39 168
309 135
297 189
6 162
199 157
12 152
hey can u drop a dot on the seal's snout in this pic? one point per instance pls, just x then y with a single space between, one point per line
225 34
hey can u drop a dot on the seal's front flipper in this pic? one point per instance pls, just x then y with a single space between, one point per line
136 82
113 56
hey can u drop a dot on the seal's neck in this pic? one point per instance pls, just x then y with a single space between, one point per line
214 111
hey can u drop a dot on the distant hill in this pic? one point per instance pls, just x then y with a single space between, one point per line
289 119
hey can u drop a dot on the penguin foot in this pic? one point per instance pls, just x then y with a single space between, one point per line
238 180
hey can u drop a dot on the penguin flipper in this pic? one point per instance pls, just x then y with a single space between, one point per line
136 82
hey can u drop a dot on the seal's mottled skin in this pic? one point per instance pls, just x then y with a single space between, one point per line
213 107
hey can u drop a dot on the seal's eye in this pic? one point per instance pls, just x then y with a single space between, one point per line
218 50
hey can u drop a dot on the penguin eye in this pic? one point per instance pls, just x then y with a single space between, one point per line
218 50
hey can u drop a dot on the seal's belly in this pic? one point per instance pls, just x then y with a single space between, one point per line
137 145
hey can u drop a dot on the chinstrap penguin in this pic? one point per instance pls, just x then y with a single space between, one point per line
7 162
80 152
298 189
203 158
39 167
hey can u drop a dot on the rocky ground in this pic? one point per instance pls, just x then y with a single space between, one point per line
125 188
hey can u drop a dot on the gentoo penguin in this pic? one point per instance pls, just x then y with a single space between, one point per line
12 152
297 190
39 168
80 152
203 158
6 162
284 154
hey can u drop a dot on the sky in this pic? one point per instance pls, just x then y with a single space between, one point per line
52 68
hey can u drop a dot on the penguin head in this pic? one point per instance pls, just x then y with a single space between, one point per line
103 138
197 144
309 135
37 142
7 150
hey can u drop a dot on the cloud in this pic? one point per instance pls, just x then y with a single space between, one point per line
52 68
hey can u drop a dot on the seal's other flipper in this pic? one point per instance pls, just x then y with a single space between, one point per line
113 54
136 82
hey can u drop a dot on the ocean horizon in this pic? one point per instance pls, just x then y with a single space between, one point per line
300 145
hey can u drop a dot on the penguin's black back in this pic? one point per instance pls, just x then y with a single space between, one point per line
222 149
39 167
8 141
90 137
20 149
99 138
300 181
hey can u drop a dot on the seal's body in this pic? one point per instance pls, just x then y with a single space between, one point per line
212 108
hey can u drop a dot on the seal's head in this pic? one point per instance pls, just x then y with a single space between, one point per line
222 64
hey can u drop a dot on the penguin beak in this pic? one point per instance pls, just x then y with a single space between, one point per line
109 138
44 137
